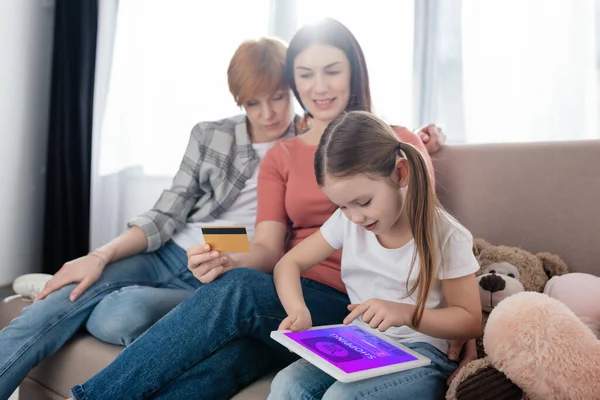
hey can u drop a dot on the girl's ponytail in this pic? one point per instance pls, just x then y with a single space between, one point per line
422 206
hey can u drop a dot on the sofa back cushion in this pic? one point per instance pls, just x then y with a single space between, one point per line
537 196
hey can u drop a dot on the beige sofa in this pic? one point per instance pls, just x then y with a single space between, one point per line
539 196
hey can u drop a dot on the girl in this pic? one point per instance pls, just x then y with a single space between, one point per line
407 265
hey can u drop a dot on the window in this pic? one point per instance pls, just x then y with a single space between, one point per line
169 71
514 71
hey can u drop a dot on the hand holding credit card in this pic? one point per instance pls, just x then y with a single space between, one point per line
226 239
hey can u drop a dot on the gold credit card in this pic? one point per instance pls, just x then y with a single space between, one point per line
227 239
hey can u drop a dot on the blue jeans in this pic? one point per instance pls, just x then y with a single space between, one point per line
123 315
43 327
304 381
211 349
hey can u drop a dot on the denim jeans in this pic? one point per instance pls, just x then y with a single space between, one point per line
210 349
304 381
123 315
44 326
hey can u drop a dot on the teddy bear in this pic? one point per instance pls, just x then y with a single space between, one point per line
504 271
548 344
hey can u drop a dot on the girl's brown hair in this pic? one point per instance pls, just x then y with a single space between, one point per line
357 142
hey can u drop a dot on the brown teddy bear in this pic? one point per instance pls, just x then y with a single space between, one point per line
504 271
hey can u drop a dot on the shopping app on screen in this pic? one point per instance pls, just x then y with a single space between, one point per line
351 348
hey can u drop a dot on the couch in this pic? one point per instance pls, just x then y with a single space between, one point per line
539 196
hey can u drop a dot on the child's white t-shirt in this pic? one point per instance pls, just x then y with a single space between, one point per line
370 270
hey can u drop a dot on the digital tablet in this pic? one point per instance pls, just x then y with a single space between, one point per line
350 353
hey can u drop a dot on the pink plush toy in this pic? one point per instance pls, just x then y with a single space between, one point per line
581 293
543 345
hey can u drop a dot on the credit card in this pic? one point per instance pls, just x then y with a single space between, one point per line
227 239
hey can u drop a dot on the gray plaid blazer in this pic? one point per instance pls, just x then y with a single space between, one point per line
218 160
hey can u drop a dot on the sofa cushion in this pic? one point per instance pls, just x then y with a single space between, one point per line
542 197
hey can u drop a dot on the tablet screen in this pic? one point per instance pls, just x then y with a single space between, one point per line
350 348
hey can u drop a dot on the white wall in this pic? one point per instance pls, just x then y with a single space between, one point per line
26 31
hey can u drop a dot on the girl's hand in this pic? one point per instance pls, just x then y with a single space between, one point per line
299 320
207 265
467 351
381 314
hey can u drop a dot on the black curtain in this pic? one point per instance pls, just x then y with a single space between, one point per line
67 205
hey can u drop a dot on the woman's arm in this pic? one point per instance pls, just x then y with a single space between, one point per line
433 137
129 243
266 248
311 251
147 232
412 138
87 269
170 212
268 244
308 253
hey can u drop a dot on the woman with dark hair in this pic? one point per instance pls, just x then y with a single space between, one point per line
198 349
332 33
